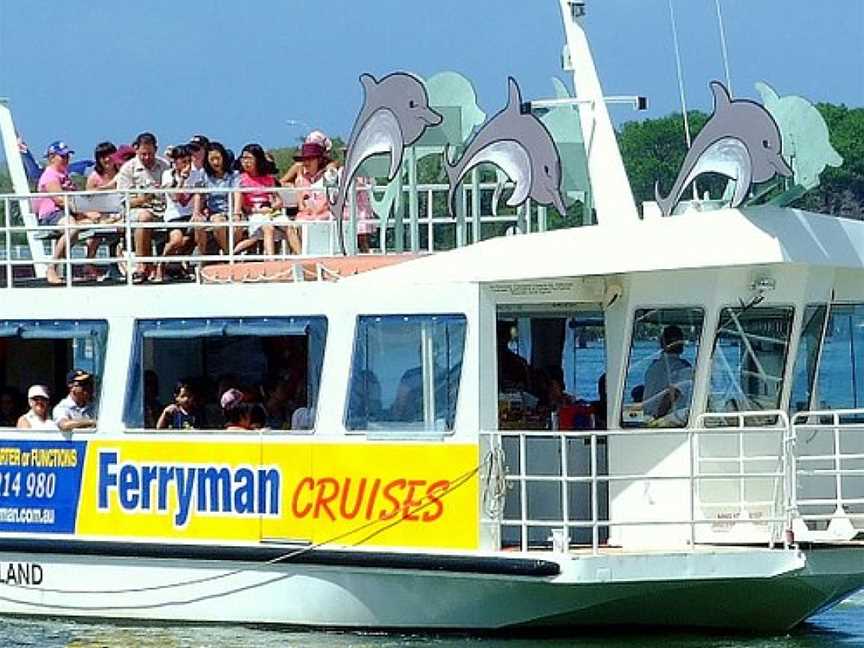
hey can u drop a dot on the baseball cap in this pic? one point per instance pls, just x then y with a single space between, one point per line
78 376
198 142
58 147
231 398
37 391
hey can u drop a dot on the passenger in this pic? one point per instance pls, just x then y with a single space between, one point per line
240 414
182 413
152 406
668 379
10 405
52 211
277 401
261 208
144 171
36 418
178 207
77 409
600 405
213 207
312 205
197 146
315 137
109 159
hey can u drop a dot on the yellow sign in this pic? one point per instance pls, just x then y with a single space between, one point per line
403 495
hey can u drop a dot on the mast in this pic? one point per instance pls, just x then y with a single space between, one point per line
613 197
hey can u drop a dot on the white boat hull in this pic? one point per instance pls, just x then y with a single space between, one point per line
760 589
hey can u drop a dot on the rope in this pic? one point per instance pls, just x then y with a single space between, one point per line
680 72
454 486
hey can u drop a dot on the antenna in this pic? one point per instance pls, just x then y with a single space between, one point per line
680 72
723 48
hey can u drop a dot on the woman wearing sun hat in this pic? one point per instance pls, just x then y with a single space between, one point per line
36 418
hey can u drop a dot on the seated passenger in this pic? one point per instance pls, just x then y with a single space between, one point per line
52 211
213 207
312 205
262 207
668 380
144 171
240 414
10 405
178 206
36 418
182 413
104 174
76 410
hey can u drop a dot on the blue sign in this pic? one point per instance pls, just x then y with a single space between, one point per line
40 485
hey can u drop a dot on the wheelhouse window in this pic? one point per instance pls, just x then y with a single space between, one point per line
807 360
749 359
658 391
405 373
551 367
43 353
840 384
193 373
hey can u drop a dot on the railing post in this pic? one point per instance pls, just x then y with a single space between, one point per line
7 218
595 508
476 230
692 479
413 199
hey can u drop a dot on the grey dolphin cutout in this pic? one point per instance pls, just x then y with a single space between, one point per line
395 114
520 145
741 141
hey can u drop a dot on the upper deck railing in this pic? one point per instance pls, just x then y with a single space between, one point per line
420 223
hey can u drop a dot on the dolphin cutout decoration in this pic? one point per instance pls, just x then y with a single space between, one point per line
806 141
395 114
520 145
741 141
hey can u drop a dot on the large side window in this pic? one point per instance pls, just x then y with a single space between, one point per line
749 359
405 373
840 384
551 367
209 366
42 352
659 388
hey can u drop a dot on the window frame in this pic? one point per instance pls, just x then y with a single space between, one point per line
396 434
135 382
105 327
629 347
783 384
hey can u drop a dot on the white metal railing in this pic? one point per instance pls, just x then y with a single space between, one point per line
571 505
830 473
433 218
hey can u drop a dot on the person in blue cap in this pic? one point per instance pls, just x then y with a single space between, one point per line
53 210
77 409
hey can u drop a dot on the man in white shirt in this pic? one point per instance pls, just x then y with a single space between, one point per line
144 171
669 378
76 410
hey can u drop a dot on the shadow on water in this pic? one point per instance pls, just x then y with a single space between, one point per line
843 626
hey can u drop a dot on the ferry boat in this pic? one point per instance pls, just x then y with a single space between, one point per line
705 472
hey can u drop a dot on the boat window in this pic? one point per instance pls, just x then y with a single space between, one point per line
659 386
551 368
804 373
749 359
841 384
268 367
43 352
405 373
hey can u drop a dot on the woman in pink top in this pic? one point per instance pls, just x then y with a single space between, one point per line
52 210
312 205
263 207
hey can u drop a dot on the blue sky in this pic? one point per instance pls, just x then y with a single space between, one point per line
237 71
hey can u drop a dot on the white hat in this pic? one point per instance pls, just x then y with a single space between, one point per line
36 391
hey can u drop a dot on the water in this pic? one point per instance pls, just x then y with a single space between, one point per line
842 626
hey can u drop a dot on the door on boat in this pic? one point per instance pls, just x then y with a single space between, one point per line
552 377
